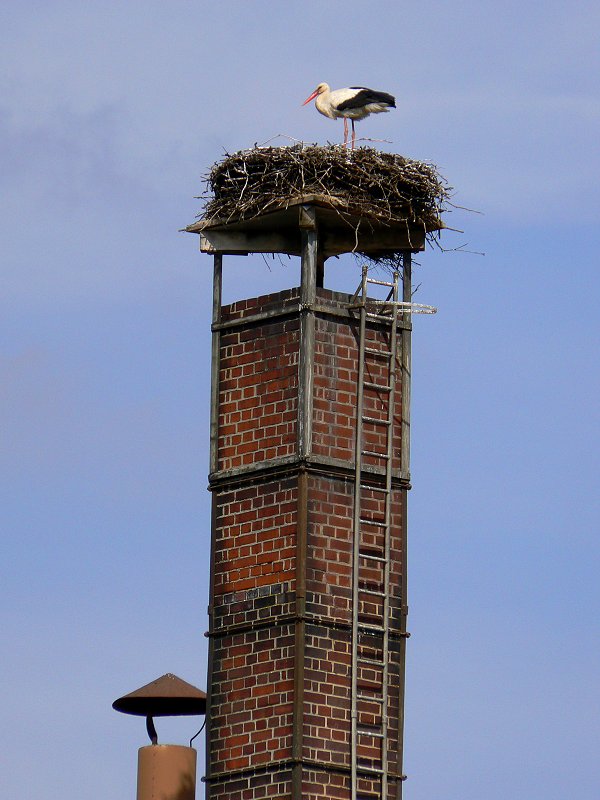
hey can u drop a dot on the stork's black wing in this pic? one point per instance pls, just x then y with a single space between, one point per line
365 96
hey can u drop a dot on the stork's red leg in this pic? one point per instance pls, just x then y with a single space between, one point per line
353 135
345 131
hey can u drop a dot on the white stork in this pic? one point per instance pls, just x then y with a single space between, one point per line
357 102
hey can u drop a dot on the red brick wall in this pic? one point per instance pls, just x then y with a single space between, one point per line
255 564
258 385
255 535
253 578
253 677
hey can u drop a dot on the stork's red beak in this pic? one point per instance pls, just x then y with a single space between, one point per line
312 97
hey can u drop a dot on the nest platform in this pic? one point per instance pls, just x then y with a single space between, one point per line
362 201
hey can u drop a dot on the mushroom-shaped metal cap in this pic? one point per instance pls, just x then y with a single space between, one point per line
167 696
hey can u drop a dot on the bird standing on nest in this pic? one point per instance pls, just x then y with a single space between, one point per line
356 102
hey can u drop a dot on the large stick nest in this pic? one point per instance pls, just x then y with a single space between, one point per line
376 185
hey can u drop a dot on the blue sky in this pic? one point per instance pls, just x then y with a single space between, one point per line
110 114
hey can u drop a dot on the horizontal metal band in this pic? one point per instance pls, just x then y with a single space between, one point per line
288 763
272 766
291 619
331 467
294 310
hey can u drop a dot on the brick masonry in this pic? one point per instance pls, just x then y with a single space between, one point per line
281 562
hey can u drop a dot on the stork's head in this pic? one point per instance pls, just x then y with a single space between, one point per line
322 87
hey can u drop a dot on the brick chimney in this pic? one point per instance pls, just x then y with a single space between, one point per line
309 476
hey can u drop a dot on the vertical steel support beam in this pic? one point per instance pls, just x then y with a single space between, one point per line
211 649
214 432
215 362
308 287
308 284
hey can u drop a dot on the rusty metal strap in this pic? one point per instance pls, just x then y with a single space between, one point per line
287 763
290 619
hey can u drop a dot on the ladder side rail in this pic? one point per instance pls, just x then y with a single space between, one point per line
406 366
356 536
387 543
406 343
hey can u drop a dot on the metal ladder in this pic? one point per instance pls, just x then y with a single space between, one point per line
371 545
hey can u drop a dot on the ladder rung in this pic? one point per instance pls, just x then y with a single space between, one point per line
372 662
379 559
369 698
373 522
367 732
375 488
375 454
366 626
380 386
375 421
375 352
368 770
374 592
382 317
380 283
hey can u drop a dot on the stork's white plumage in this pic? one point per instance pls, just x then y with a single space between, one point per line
356 102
